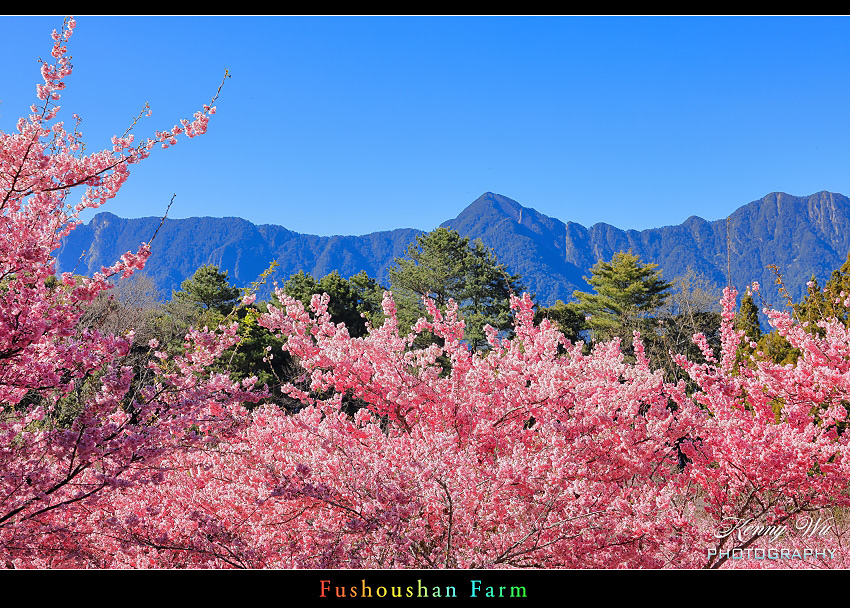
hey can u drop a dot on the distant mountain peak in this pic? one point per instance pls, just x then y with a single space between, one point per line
489 205
493 198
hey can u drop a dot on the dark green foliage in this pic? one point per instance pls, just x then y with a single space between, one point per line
569 322
204 300
747 318
350 299
777 349
210 289
444 265
260 353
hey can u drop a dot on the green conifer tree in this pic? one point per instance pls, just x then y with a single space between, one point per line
210 289
747 318
628 294
443 265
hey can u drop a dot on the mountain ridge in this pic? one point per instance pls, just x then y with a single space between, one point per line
803 236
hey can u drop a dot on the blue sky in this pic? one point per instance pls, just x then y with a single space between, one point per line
348 125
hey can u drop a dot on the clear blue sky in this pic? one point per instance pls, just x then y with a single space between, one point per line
348 125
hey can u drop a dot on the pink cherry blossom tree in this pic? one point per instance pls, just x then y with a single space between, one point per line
118 431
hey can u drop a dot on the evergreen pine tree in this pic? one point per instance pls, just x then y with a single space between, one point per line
210 289
628 294
443 265
747 318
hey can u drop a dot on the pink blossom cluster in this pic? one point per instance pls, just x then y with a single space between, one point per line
533 455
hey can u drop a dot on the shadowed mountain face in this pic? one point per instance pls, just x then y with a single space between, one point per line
803 236
233 244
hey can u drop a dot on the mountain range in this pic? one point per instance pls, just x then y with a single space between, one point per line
803 236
